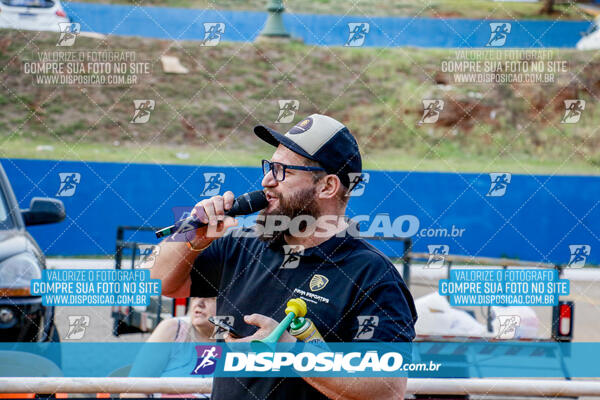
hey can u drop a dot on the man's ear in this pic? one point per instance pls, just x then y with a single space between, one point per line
328 186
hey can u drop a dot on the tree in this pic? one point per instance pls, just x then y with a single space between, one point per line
548 7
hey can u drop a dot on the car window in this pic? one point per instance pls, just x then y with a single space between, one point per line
29 3
5 220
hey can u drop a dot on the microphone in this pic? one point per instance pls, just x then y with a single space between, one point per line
245 204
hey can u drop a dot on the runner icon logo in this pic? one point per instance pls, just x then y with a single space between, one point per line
142 110
508 326
287 111
218 332
499 34
579 254
291 256
212 183
437 255
366 326
498 183
68 183
212 33
68 33
207 359
431 111
573 111
77 326
358 33
358 182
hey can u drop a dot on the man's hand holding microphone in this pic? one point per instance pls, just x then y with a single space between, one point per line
211 212
209 220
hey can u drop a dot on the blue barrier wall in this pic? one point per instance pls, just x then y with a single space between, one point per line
538 217
328 30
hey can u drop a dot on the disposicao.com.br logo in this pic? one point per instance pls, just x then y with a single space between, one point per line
323 362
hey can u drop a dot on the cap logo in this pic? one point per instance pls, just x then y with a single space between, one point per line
301 126
313 132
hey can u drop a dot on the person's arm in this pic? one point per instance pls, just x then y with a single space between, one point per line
335 388
164 332
172 266
174 260
392 303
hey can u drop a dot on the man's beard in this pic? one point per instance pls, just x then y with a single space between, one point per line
300 203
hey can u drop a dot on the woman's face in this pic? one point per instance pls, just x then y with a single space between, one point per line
200 309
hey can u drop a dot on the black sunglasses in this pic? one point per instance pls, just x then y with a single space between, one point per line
278 169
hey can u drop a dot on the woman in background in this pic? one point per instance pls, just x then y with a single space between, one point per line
180 360
194 327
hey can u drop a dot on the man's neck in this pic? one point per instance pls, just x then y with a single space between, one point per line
319 235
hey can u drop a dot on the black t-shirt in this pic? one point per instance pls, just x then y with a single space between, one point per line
346 283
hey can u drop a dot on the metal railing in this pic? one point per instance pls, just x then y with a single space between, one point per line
129 321
429 386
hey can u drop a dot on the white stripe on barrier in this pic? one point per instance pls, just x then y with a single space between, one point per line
507 387
105 385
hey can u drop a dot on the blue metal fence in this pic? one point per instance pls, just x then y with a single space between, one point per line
537 218
324 30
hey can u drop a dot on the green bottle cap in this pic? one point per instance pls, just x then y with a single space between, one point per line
297 323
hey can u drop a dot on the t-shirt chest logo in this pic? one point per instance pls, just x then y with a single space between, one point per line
318 282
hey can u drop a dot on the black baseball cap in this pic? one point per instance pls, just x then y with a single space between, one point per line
323 139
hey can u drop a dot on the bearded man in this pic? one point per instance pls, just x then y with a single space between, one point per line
344 280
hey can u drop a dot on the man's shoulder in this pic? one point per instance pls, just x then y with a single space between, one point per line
361 249
374 266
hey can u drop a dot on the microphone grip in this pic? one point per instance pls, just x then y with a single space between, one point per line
243 205
185 225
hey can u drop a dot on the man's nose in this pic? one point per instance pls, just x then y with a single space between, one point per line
268 180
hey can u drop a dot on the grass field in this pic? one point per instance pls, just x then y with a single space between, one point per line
377 159
207 116
425 8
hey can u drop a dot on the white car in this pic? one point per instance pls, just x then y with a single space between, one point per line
35 15
591 38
